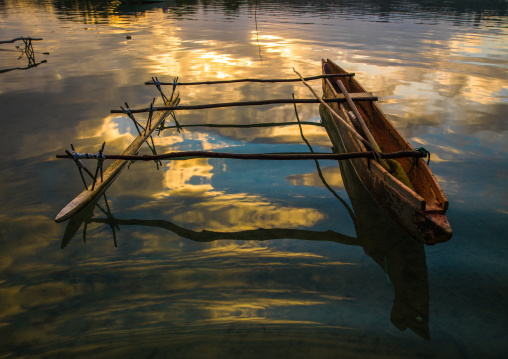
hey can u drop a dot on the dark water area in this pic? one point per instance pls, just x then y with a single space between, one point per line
217 258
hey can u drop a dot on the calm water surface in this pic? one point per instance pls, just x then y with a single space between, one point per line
210 258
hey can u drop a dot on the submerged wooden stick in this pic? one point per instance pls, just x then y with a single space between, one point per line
259 156
248 80
361 96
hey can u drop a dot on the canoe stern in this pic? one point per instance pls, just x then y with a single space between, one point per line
437 228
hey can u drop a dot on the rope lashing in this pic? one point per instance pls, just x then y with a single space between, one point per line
76 156
423 150
158 85
414 162
128 112
81 167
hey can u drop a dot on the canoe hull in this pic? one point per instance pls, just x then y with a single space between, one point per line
421 211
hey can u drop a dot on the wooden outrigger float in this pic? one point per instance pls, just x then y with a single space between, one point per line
100 186
420 206
405 188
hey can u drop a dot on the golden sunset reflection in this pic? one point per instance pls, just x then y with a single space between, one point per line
254 249
164 46
275 44
212 58
109 131
220 211
217 209
225 254
331 174
280 135
178 174
178 273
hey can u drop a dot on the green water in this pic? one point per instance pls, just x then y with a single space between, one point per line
210 258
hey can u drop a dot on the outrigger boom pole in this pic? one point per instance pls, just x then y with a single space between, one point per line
361 96
154 82
250 156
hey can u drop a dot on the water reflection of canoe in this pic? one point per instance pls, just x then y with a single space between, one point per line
400 256
396 253
421 210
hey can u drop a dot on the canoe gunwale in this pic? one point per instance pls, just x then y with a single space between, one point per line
422 165
380 171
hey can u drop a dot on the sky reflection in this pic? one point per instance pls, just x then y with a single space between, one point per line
440 72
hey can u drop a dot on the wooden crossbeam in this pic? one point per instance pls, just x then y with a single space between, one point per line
360 96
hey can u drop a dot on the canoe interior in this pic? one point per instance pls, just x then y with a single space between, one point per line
388 138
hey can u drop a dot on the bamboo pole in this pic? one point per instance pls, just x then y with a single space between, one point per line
366 130
359 117
362 96
255 125
254 156
248 80
334 114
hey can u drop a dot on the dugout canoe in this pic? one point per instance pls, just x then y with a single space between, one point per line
420 210
88 196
